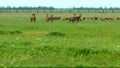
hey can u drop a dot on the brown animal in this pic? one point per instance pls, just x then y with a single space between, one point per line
118 18
78 18
56 17
71 19
75 18
49 18
108 19
95 18
66 19
33 18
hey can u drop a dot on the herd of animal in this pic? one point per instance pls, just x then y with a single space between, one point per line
70 19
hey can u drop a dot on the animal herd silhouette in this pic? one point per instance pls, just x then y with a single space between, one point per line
72 19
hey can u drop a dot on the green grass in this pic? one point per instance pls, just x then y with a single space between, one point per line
58 43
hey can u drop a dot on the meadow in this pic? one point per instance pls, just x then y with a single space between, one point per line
60 43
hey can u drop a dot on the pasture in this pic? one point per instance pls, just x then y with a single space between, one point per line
89 43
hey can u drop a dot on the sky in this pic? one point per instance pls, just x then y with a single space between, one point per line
61 3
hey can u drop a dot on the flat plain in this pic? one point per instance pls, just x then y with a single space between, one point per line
89 43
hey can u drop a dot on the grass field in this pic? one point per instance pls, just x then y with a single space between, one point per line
59 43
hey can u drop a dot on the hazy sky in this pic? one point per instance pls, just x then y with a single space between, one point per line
62 3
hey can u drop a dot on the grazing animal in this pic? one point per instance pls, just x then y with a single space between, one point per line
49 18
56 17
75 18
95 18
118 18
108 19
33 18
103 19
71 19
66 19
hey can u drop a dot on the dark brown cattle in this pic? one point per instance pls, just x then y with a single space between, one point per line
108 19
95 18
118 18
33 18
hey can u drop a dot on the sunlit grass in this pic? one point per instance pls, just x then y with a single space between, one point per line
59 43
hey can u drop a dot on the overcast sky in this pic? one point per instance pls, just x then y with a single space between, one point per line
61 3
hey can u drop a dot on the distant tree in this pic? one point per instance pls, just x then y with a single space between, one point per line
9 8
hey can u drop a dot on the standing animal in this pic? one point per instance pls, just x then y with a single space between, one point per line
75 18
78 18
56 17
71 19
33 18
49 18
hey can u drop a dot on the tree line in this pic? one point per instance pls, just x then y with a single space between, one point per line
26 8
53 8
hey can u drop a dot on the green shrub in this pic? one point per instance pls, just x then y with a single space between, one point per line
56 34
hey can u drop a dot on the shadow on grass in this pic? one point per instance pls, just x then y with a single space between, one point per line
55 34
9 32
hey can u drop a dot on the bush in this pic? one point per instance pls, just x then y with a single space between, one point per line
56 34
